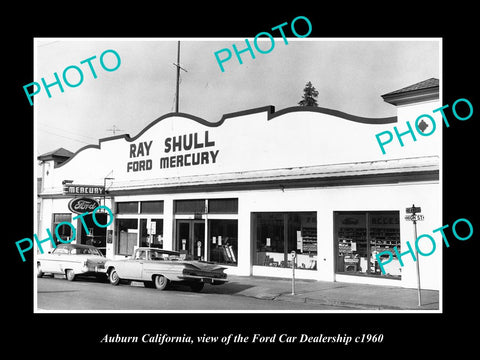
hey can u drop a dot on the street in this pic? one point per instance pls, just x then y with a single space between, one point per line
91 294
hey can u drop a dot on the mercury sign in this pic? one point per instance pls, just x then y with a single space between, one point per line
82 205
71 189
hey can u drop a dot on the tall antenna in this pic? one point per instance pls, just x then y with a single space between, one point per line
114 129
177 96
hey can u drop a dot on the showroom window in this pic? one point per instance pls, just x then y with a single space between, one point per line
223 241
360 235
277 234
127 233
64 231
151 233
139 223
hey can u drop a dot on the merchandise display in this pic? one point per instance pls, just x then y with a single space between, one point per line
362 235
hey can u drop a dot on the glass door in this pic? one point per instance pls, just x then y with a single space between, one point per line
191 238
198 235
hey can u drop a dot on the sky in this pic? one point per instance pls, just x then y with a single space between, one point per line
349 74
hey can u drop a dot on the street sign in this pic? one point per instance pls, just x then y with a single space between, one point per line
414 217
413 209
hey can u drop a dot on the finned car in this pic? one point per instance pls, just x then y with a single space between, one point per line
72 260
158 267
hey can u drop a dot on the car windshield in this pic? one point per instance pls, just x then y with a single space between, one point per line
161 255
85 251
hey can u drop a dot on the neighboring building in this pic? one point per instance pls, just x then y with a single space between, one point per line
48 161
255 186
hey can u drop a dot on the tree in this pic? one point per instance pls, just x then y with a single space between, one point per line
309 96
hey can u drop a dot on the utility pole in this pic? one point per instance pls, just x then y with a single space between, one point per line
177 93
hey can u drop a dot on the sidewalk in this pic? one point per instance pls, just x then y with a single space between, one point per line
363 297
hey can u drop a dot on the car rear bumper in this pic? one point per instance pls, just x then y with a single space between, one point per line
204 279
93 268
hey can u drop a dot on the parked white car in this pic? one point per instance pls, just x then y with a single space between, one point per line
158 267
72 260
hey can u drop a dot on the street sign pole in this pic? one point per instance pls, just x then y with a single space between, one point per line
413 210
418 264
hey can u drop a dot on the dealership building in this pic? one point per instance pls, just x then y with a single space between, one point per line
259 184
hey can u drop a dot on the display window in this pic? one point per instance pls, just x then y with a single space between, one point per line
64 230
139 223
277 234
96 235
151 233
223 247
360 236
127 233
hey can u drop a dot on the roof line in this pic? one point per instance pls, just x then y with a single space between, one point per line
271 114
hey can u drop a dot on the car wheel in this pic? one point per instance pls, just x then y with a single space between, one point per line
39 270
113 277
197 286
160 282
70 275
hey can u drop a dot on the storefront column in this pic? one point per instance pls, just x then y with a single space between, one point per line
206 247
111 234
244 260
326 250
168 224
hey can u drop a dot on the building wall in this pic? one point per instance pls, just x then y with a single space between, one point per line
324 202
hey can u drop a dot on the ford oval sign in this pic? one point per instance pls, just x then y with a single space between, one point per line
82 205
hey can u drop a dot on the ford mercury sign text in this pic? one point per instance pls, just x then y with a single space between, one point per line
188 142
81 205
179 144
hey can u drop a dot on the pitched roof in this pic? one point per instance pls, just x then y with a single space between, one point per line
57 154
429 83
421 91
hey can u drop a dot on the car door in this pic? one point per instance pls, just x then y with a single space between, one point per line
46 262
51 263
132 269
